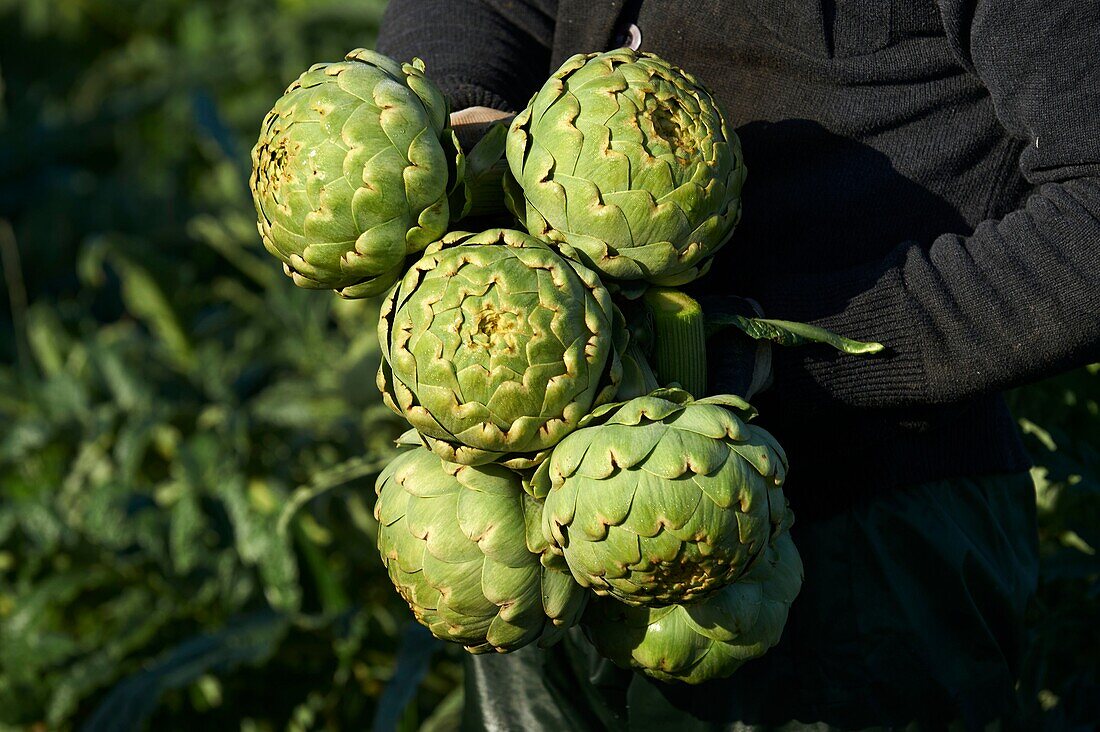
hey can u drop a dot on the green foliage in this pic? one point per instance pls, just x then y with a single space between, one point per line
188 442
1060 419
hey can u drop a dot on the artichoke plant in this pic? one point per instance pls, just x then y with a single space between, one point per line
495 347
456 544
662 499
708 639
351 174
625 162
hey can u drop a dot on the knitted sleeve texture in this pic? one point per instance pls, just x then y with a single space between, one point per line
1019 298
490 53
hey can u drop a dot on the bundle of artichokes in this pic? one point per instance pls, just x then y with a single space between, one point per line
565 464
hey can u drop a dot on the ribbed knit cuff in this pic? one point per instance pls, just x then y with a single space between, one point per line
461 94
865 303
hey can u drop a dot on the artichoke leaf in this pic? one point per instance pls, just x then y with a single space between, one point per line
788 333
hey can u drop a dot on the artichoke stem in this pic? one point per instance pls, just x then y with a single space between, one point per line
679 335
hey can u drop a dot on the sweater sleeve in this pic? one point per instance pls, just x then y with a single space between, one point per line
1018 299
491 53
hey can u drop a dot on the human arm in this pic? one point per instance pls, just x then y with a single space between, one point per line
1017 299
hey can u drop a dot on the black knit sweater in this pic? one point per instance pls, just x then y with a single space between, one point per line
922 174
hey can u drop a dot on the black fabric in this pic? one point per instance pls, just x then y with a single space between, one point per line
911 611
487 53
922 174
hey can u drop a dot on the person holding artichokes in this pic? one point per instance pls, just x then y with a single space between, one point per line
580 297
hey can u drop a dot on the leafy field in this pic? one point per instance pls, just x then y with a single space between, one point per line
188 443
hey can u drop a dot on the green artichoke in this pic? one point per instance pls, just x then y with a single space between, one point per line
458 544
350 173
662 499
708 639
625 163
495 347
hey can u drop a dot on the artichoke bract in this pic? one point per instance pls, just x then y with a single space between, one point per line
708 639
454 540
495 347
350 174
662 499
626 163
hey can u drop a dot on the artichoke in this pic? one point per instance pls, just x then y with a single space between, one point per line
661 499
350 173
495 347
708 639
455 540
625 163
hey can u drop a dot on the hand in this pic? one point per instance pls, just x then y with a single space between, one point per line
472 123
735 324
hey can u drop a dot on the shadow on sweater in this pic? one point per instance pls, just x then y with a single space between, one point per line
806 204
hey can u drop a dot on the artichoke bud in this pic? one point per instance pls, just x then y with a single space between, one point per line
349 175
663 499
454 539
708 639
626 164
494 347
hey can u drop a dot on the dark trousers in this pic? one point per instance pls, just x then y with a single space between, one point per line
911 612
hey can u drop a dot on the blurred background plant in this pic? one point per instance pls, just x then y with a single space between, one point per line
188 443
